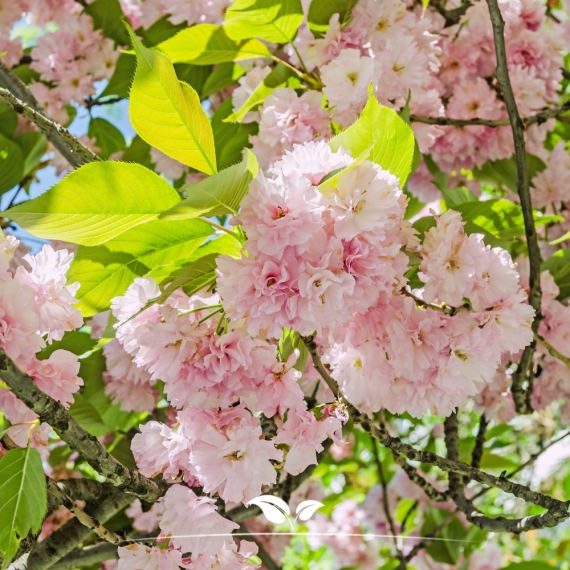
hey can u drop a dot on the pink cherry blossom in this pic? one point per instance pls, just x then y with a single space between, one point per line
189 519
57 376
138 556
54 299
305 435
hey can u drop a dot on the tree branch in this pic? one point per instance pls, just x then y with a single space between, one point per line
382 481
53 413
539 118
20 98
553 351
85 519
317 363
453 16
415 477
265 557
87 556
61 542
524 372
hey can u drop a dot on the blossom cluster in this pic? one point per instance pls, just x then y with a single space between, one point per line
36 307
331 260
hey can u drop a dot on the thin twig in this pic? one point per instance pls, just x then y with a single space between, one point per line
73 151
538 118
317 363
89 102
382 481
524 373
553 351
453 16
21 99
86 520
53 413
221 228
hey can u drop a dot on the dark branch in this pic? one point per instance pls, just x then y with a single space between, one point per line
61 542
317 363
89 102
524 372
453 16
539 118
20 98
53 413
87 556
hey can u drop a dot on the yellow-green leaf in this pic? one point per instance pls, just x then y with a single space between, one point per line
379 135
167 113
271 20
217 195
107 270
95 203
205 44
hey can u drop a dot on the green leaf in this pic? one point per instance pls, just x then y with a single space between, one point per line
120 81
224 75
497 431
501 218
160 31
559 266
107 270
23 498
205 44
457 196
33 146
167 113
95 203
107 137
230 138
560 239
108 16
218 194
291 340
379 135
87 416
493 461
196 276
321 11
195 75
26 73
139 152
529 565
277 78
11 164
76 342
504 172
271 20
8 120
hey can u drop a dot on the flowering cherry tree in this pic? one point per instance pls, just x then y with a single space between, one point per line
327 276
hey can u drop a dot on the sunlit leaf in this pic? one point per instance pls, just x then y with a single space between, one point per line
205 44
95 203
167 113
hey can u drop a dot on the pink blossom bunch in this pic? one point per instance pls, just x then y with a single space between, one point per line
385 44
315 255
73 58
551 186
408 357
36 306
11 11
467 69
144 13
552 381
287 119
